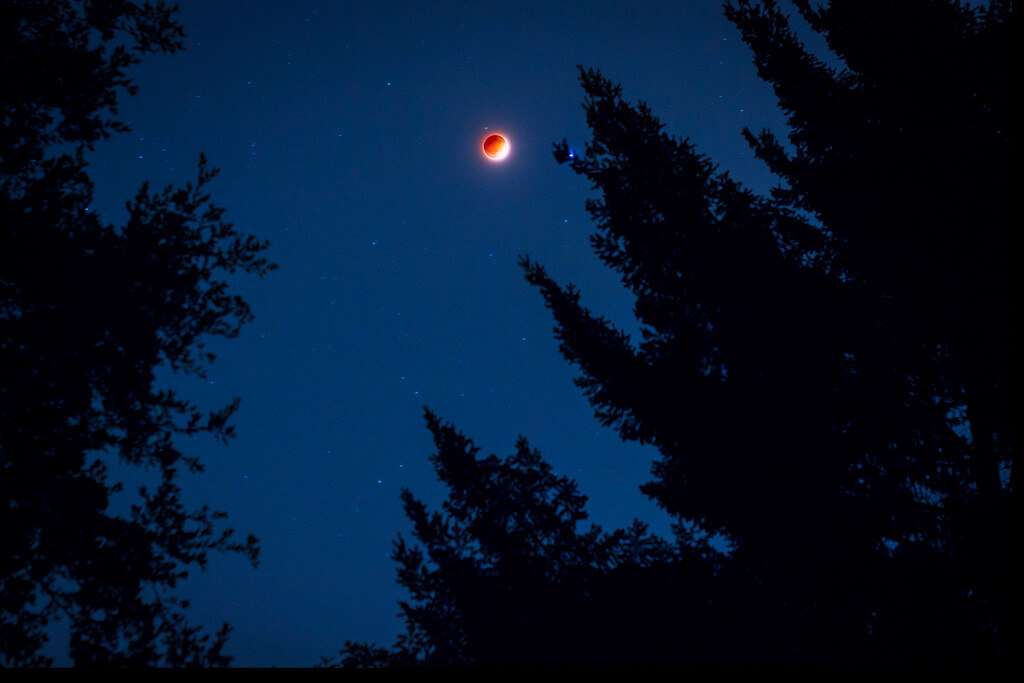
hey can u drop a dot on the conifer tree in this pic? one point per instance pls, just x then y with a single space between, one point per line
88 312
824 371
505 574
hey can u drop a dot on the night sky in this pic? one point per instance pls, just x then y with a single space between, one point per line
348 134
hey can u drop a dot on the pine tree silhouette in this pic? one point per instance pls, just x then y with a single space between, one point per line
88 311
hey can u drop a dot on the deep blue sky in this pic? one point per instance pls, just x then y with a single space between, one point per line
348 135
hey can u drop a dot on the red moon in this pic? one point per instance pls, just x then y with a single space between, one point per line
496 147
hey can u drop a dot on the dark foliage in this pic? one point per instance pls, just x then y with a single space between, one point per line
824 371
506 576
88 311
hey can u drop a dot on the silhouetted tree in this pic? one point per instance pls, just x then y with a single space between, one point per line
88 311
506 576
812 361
824 371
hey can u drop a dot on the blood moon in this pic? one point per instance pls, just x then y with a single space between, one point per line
496 147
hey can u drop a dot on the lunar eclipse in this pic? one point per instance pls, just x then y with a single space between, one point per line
496 147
